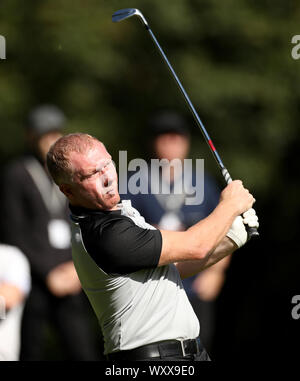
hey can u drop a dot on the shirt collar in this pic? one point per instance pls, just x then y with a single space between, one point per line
79 213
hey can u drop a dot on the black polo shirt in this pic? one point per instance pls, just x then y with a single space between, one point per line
115 242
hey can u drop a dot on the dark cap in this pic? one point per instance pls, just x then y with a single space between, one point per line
168 122
44 119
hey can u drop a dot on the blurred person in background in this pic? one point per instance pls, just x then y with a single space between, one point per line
14 287
35 219
170 139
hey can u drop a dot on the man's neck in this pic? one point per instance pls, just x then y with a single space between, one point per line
95 207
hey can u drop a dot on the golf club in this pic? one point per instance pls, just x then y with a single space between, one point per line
123 14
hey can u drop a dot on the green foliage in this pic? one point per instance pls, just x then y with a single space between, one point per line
233 57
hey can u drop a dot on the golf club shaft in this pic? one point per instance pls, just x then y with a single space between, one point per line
194 112
252 232
123 14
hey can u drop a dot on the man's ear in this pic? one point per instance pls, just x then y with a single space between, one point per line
66 190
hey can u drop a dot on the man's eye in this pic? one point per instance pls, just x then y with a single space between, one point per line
89 176
95 173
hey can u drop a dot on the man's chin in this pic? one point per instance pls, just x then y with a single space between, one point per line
112 199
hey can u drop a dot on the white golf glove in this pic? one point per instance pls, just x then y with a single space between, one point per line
238 232
250 218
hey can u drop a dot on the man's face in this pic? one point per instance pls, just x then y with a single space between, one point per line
95 181
44 142
171 146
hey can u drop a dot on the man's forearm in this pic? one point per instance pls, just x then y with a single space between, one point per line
210 232
190 268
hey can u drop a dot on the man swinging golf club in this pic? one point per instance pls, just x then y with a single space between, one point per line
130 271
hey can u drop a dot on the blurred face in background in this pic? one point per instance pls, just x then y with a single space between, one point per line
171 146
44 142
41 144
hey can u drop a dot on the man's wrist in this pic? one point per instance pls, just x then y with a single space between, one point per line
231 243
229 208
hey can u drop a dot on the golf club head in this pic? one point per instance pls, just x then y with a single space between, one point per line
123 14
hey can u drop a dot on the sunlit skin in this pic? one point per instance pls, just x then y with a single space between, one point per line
95 180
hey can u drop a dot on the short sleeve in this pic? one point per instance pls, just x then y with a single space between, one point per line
119 246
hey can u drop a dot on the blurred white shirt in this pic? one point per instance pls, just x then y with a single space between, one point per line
14 270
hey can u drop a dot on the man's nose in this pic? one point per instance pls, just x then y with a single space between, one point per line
107 179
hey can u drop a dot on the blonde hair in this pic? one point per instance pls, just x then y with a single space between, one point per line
58 163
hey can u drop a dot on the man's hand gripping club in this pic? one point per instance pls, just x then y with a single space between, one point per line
214 237
237 231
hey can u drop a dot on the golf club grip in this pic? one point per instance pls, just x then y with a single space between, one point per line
252 232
